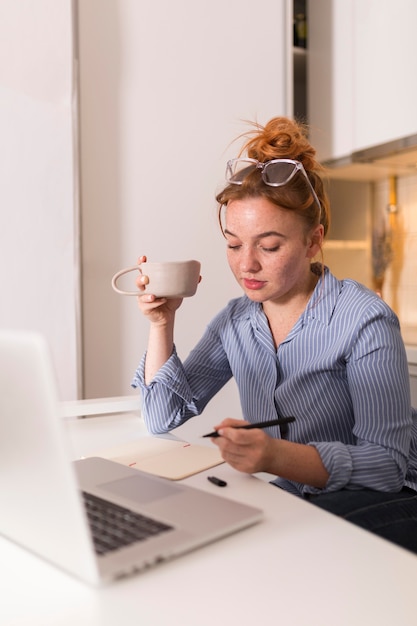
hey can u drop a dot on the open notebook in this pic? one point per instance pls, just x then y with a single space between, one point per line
167 458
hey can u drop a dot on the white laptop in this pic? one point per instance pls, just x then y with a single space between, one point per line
41 501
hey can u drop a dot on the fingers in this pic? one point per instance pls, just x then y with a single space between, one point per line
230 422
141 281
156 309
150 304
241 436
148 301
243 449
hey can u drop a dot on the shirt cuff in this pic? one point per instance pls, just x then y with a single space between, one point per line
139 377
171 375
337 460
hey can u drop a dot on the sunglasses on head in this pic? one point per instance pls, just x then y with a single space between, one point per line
275 173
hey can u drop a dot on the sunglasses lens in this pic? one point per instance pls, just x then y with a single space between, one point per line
278 173
238 169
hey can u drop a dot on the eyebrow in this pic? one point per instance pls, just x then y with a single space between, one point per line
268 233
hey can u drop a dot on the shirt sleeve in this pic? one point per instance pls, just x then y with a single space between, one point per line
167 400
378 381
180 390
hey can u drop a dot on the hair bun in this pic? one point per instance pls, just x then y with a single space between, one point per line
281 138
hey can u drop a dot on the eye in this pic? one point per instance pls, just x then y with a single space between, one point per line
273 249
233 245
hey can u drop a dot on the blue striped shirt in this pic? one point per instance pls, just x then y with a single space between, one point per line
342 372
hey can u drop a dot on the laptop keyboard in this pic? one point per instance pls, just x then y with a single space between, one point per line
114 526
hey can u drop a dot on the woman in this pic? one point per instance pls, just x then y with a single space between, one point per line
299 342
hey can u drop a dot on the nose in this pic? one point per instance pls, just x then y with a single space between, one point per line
249 261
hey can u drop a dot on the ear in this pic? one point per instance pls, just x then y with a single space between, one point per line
315 241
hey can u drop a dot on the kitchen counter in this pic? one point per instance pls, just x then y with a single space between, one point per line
409 334
411 354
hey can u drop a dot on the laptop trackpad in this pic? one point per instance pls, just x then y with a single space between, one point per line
140 488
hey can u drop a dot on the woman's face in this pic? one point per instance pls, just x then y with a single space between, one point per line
268 249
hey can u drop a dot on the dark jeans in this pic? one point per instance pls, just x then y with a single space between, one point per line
392 516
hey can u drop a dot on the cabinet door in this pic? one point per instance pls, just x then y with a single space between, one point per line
361 73
330 77
385 71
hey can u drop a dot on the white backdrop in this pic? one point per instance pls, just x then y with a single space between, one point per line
164 89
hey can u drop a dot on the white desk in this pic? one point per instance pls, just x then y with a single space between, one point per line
300 567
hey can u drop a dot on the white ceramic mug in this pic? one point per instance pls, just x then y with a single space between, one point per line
171 279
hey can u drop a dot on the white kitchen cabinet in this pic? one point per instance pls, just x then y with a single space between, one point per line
385 67
361 73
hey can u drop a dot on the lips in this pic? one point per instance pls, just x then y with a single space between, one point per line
254 285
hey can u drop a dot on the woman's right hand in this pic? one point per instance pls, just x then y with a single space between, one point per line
159 311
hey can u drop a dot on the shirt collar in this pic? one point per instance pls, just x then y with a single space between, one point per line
323 299
320 306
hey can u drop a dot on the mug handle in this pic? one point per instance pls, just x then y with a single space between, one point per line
117 276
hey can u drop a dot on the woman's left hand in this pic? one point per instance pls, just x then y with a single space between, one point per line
247 451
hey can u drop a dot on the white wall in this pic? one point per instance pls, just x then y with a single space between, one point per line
39 274
164 87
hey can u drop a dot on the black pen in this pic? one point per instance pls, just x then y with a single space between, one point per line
277 422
